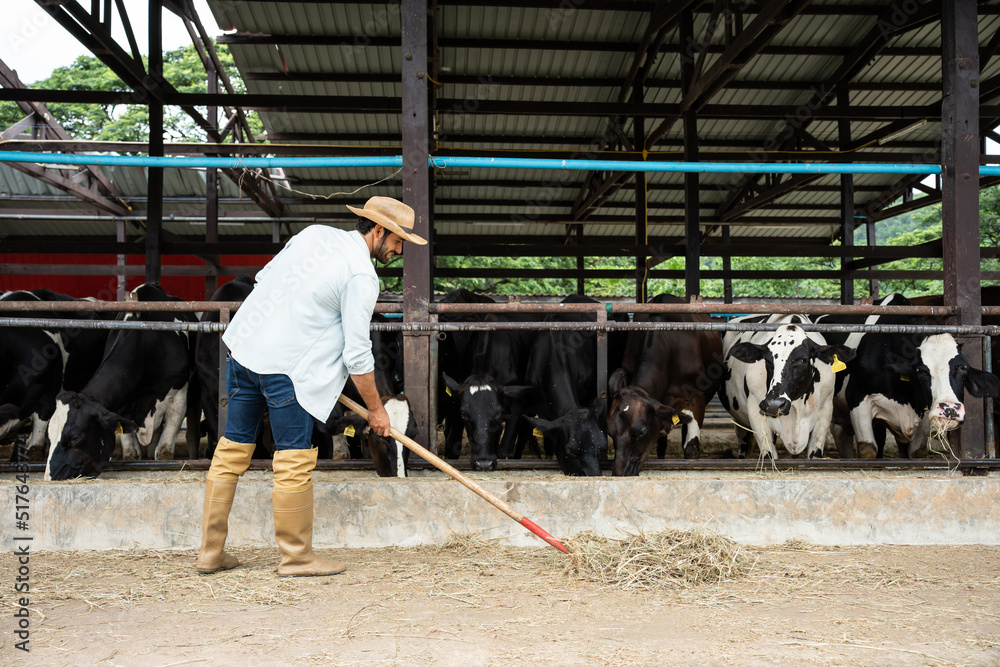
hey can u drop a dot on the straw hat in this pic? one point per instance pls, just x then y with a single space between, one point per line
394 215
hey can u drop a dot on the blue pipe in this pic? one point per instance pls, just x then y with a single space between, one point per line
686 167
485 162
220 162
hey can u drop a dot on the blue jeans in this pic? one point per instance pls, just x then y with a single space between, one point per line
250 393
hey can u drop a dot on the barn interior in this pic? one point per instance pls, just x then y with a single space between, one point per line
720 81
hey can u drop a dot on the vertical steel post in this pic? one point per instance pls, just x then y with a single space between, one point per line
223 397
120 279
212 186
602 353
692 204
154 201
581 263
641 229
960 189
727 268
991 436
416 193
872 242
846 200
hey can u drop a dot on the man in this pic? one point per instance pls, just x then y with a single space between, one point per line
292 344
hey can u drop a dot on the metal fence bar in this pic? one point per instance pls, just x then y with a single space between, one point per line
213 327
512 307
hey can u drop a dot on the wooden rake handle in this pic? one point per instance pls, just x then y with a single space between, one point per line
446 468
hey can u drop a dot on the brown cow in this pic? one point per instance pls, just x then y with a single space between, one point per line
667 378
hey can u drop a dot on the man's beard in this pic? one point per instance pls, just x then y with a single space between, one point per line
382 255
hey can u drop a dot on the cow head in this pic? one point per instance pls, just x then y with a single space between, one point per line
579 441
635 421
789 360
484 405
82 433
938 376
390 456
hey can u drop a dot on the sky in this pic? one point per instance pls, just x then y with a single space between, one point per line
33 44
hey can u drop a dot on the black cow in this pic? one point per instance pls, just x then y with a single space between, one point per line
36 364
912 384
562 368
667 378
207 360
493 396
141 385
452 347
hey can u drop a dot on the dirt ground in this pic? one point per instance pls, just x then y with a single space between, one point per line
469 603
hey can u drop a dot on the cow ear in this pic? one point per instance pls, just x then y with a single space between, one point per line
748 353
827 353
617 381
542 425
668 415
903 370
600 410
9 412
113 422
981 383
357 423
450 383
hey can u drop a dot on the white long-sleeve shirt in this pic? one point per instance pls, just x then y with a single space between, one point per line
309 315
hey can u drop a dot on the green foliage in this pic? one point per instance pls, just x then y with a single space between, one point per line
129 122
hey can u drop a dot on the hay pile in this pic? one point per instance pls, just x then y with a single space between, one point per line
671 559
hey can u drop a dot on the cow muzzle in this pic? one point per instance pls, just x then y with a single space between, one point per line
775 406
947 416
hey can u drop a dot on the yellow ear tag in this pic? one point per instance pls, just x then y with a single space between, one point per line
349 431
676 420
537 433
838 365
447 391
119 430
904 378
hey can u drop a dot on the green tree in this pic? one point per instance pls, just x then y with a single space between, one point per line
128 122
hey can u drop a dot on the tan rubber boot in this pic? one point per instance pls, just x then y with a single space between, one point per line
231 460
293 515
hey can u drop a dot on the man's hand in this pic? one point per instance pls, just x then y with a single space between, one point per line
378 418
378 421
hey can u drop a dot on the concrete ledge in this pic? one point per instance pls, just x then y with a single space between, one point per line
759 509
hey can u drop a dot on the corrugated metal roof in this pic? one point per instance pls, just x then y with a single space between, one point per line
495 209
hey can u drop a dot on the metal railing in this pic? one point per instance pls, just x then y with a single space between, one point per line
602 326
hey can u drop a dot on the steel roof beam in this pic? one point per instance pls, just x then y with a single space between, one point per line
575 82
661 20
737 53
326 41
874 42
97 37
391 106
40 118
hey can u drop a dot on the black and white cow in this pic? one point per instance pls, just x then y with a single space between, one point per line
36 364
780 384
141 385
912 384
562 368
350 432
207 360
